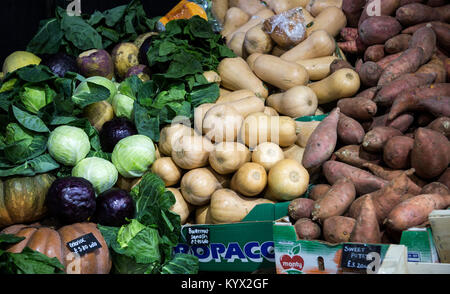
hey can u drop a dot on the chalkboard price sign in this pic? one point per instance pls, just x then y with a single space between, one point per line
197 236
84 244
359 257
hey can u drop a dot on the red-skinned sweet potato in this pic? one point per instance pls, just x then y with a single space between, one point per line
397 43
441 125
337 229
414 211
352 46
408 62
441 29
368 93
364 181
378 29
336 201
415 13
306 229
397 152
375 139
374 53
321 143
445 178
337 64
387 7
435 67
389 174
358 108
424 38
389 92
352 10
349 33
349 130
383 63
438 106
366 228
350 154
435 188
300 208
369 73
318 191
401 123
430 155
409 99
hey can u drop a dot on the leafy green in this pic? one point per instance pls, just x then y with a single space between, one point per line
26 262
145 244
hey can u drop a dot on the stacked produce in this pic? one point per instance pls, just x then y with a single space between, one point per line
382 155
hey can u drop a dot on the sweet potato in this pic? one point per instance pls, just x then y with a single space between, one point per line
430 155
435 3
404 2
440 28
306 229
375 139
383 173
415 13
435 188
378 29
397 43
366 228
352 10
387 7
445 178
389 92
349 130
374 53
401 122
336 201
322 141
423 119
357 108
424 38
300 208
318 191
397 152
338 64
438 106
409 99
364 181
349 33
370 73
435 67
337 229
441 125
368 93
350 154
408 62
383 63
352 46
391 195
414 211
354 209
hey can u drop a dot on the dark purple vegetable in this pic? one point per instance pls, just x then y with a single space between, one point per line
96 63
115 130
144 49
71 199
60 63
141 71
113 207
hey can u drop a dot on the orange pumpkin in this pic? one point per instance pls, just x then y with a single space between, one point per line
52 243
184 9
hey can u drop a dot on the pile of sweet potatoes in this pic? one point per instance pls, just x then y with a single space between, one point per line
390 164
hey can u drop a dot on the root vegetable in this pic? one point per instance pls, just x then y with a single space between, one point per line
441 125
424 38
370 73
349 130
415 13
366 228
397 43
337 229
358 108
397 152
378 29
306 229
435 188
351 154
319 191
374 53
375 139
300 208
445 178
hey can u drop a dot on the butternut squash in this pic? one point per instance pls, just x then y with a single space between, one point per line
331 19
270 111
250 179
237 75
304 130
219 9
267 154
203 215
198 185
318 44
315 7
253 21
257 41
224 180
199 115
317 68
279 6
278 51
170 134
181 207
251 59
223 91
249 6
234 96
228 157
342 83
247 106
294 152
167 170
287 180
212 76
227 206
296 102
234 18
259 128
222 123
236 44
191 151
280 73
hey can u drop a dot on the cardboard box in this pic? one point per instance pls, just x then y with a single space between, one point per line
293 256
440 225
420 245
239 247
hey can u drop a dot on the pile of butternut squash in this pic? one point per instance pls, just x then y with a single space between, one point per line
247 147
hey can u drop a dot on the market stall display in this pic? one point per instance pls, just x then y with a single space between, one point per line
138 126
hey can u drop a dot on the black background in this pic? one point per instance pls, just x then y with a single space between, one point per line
19 19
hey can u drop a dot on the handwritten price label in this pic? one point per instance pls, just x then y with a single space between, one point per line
84 244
